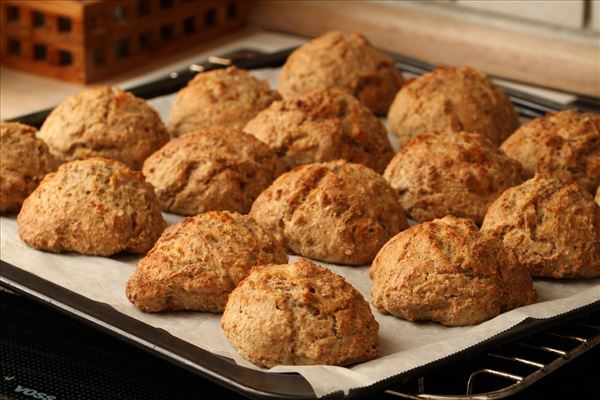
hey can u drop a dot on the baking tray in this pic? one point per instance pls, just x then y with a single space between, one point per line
221 370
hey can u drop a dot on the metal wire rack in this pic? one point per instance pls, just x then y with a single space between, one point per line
509 368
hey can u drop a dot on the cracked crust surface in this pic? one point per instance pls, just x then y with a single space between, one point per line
565 145
24 161
553 227
453 100
196 263
447 271
105 122
437 174
300 314
212 169
227 97
347 61
94 206
336 212
323 125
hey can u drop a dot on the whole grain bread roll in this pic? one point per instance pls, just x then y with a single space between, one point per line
94 206
553 227
323 125
227 97
565 145
452 100
196 263
105 122
447 271
212 169
336 212
24 161
346 61
299 314
436 174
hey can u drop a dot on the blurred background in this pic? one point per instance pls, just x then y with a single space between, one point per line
552 44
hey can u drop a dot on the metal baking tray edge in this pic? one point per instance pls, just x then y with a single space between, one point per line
226 372
250 382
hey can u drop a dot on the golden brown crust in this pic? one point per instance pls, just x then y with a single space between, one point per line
94 206
196 263
438 174
323 125
597 198
105 122
553 228
212 169
452 99
336 212
347 61
24 161
300 314
447 271
565 145
227 97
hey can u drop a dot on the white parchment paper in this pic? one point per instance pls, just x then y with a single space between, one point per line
404 345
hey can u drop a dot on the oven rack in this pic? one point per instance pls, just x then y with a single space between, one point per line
509 368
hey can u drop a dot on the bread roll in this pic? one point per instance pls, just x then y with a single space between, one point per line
196 263
553 227
105 122
336 212
565 145
346 61
323 125
299 314
24 161
447 271
94 206
452 100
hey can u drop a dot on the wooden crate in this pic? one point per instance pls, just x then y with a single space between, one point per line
88 40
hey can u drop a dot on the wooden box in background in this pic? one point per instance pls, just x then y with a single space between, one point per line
88 40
